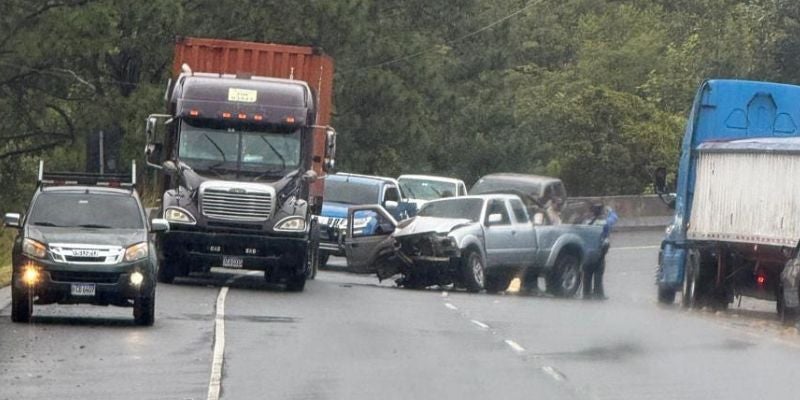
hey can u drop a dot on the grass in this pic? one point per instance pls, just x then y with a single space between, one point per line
6 242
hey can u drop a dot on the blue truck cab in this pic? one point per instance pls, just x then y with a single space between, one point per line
723 110
343 191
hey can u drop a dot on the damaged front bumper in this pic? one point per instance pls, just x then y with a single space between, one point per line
422 259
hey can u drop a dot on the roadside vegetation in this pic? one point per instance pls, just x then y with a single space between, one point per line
593 91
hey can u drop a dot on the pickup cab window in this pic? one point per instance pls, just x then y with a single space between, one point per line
520 215
498 207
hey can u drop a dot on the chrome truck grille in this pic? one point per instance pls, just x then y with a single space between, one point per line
236 201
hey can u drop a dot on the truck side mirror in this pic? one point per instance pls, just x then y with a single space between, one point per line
150 127
153 153
330 149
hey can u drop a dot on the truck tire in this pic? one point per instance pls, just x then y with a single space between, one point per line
564 279
496 283
296 283
144 309
473 271
698 280
666 295
323 260
313 250
21 304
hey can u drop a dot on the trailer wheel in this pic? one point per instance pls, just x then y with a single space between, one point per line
666 295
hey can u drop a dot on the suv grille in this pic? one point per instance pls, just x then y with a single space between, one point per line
225 204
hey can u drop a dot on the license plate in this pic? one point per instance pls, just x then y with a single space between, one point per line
82 289
232 262
85 253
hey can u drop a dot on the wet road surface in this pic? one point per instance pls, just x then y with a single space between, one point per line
349 337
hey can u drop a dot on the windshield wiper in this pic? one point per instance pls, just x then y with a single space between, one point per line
94 226
219 149
277 153
45 223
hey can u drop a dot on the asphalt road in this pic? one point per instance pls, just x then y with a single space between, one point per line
348 337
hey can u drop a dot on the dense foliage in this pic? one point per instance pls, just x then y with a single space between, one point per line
593 91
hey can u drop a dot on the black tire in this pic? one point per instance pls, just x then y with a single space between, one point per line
313 251
689 295
167 269
496 283
473 271
666 295
296 283
698 282
564 279
21 304
323 260
144 309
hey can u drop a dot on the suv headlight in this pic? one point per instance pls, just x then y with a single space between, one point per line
291 224
136 252
34 249
179 215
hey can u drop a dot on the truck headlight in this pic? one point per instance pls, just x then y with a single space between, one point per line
34 249
179 215
291 224
136 252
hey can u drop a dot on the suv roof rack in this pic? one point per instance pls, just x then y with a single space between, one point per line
87 178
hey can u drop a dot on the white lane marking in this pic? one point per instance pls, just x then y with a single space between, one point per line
514 345
444 294
554 373
628 248
215 382
450 306
479 323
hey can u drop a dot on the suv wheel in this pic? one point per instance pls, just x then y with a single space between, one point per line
21 304
144 309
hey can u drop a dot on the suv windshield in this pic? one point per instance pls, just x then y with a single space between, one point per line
427 189
88 210
238 149
351 192
453 208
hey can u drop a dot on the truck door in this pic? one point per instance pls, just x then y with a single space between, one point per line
499 234
524 236
363 249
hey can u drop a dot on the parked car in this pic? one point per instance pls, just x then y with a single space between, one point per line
343 191
475 242
84 242
424 188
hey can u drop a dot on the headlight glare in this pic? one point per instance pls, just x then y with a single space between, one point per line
136 252
34 249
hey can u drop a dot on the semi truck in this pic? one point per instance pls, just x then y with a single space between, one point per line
243 150
737 200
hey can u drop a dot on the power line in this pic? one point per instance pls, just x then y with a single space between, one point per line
449 42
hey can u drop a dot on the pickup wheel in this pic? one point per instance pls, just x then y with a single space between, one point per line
565 278
323 260
144 309
296 283
473 271
21 304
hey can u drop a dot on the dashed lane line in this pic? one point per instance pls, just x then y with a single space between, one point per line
554 373
514 346
451 306
479 323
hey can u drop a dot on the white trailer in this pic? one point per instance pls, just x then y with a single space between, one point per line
745 222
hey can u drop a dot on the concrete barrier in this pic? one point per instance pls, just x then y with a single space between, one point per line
636 212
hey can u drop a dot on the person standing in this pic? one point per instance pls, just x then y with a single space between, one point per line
593 273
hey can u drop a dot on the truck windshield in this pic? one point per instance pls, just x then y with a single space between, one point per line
238 149
351 192
82 210
423 189
453 208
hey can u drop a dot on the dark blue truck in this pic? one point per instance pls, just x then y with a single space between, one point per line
737 209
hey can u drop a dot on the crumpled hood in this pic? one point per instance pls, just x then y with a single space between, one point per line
332 209
432 224
105 237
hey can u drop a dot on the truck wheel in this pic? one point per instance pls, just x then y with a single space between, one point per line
296 283
473 271
21 304
496 283
323 260
144 309
313 250
689 297
565 278
666 295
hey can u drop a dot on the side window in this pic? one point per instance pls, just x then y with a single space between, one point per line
392 194
498 207
520 215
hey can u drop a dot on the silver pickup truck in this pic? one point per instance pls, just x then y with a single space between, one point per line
475 242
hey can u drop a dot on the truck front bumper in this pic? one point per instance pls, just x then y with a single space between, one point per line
201 250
